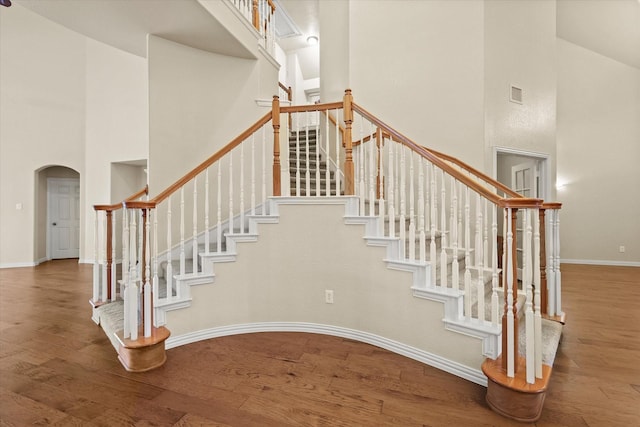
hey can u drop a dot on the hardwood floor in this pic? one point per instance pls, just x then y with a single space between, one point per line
58 368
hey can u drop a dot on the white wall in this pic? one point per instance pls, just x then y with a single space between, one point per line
520 49
65 100
42 117
368 296
598 156
116 123
198 102
416 65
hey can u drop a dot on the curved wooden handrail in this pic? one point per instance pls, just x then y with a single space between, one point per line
520 202
287 89
476 172
201 167
116 206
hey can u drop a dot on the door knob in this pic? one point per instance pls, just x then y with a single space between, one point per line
55 223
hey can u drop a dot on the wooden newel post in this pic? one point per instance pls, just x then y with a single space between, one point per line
544 297
275 120
349 187
109 249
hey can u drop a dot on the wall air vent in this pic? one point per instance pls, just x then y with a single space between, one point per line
515 94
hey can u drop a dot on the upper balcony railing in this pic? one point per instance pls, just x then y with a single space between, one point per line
261 15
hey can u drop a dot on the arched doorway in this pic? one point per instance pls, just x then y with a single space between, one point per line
57 213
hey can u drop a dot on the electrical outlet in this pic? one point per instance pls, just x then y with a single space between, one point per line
328 296
622 249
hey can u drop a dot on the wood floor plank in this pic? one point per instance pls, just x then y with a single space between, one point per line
58 368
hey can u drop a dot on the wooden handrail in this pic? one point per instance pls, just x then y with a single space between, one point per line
311 107
116 206
202 166
521 202
288 90
477 173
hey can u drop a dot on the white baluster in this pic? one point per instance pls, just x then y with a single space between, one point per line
231 225
412 213
96 261
113 256
510 297
433 221
169 273
103 258
318 145
182 252
392 181
219 209
480 242
485 246
242 187
402 226
307 174
132 289
147 275
467 252
421 208
455 231
297 116
536 296
327 171
253 174
372 170
194 241
125 269
207 241
381 202
264 171
558 274
527 286
338 148
360 172
154 257
494 265
443 238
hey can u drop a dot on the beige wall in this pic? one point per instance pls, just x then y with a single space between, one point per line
198 102
42 119
116 124
330 255
520 50
598 156
419 67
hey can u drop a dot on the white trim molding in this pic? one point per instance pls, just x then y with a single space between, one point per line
450 366
601 262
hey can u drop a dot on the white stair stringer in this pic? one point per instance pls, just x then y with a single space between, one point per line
207 276
453 299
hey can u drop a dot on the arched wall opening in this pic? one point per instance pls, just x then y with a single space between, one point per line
45 180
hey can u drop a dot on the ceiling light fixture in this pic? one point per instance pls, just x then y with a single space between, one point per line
312 40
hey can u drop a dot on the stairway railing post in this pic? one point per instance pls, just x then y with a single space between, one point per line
349 189
543 263
108 237
275 120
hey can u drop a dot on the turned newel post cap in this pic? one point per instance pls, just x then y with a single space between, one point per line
347 92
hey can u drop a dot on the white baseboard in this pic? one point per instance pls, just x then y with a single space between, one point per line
18 264
601 262
452 367
85 261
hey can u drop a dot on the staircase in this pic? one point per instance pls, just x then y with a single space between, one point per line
409 255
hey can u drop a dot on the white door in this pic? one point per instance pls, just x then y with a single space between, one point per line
64 217
524 181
